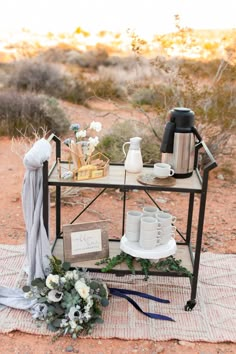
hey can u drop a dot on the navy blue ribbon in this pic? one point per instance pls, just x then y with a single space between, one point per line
124 294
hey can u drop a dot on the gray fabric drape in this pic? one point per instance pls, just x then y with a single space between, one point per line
38 248
14 297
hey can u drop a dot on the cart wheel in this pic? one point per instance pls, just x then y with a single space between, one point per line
190 305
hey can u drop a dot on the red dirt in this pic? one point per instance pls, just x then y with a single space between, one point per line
219 237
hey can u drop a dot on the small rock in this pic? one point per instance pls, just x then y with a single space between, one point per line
220 177
69 349
186 344
161 200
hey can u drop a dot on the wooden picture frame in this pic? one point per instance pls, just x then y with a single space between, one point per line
85 241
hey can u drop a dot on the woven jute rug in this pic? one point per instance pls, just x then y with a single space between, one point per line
213 319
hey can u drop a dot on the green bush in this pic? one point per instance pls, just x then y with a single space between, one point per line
111 143
26 113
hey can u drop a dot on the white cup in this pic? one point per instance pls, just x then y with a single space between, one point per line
149 237
166 233
165 219
132 225
163 170
150 210
148 223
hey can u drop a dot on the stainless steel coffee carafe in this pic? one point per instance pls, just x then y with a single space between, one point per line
179 139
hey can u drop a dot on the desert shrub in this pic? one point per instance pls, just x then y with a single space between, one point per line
28 112
77 92
49 79
39 77
220 106
105 88
111 143
91 59
144 95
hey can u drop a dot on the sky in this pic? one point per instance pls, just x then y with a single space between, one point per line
146 17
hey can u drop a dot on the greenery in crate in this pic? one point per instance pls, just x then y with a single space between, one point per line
169 264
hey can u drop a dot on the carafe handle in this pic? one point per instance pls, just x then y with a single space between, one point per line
123 147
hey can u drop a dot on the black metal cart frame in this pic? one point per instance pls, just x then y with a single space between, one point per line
200 175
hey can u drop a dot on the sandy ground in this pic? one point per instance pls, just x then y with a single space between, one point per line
219 237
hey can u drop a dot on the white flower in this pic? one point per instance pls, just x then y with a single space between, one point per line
93 141
69 275
96 126
55 296
82 289
63 323
39 311
73 324
81 134
63 280
52 280
89 301
75 274
74 312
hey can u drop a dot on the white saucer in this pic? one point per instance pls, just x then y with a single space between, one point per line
161 177
135 250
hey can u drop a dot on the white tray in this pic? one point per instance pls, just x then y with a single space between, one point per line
135 250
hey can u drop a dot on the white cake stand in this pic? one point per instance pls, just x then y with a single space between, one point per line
135 250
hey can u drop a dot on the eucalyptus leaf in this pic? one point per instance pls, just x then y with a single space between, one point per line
51 328
26 288
98 320
93 284
38 282
56 322
66 266
104 301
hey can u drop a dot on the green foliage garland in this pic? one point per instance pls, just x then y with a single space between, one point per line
169 264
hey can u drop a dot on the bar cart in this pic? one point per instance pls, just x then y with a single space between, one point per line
118 178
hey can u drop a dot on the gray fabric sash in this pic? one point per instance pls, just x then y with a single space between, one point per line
38 249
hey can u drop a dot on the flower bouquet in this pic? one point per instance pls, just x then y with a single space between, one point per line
68 300
82 146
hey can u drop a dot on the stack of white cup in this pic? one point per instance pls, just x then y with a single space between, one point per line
166 230
150 228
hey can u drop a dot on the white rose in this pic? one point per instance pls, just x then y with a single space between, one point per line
82 289
94 141
96 126
52 280
81 134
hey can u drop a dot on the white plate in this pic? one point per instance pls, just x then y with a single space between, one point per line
135 250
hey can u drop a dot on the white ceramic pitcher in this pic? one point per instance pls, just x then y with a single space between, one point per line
134 160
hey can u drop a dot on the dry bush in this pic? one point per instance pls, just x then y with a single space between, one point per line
50 79
105 88
91 59
36 76
111 143
28 112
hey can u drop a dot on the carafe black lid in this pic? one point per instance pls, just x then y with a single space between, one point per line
183 118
